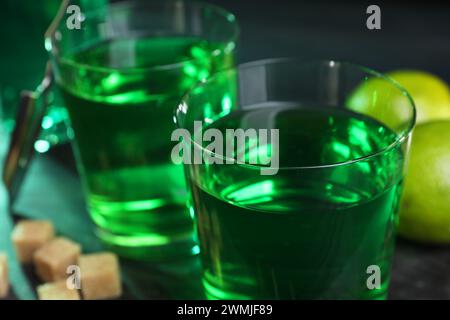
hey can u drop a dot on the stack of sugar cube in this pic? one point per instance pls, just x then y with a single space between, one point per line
59 263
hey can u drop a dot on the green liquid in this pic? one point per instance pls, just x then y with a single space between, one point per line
121 111
303 233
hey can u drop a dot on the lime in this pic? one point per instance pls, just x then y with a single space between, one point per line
425 208
383 101
431 95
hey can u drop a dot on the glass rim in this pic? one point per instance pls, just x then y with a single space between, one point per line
400 138
51 35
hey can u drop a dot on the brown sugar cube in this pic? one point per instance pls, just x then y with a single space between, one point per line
57 291
100 276
30 235
52 259
4 281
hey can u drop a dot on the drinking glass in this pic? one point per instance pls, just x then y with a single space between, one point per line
120 75
320 222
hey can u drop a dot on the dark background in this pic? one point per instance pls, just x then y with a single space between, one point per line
413 35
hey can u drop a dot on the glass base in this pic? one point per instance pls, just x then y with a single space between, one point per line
149 248
138 231
246 288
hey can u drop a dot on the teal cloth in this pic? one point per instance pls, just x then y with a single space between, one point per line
18 279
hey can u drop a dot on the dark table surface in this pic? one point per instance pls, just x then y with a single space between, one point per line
413 36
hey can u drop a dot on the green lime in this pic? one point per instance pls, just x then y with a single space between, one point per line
431 95
425 208
383 101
